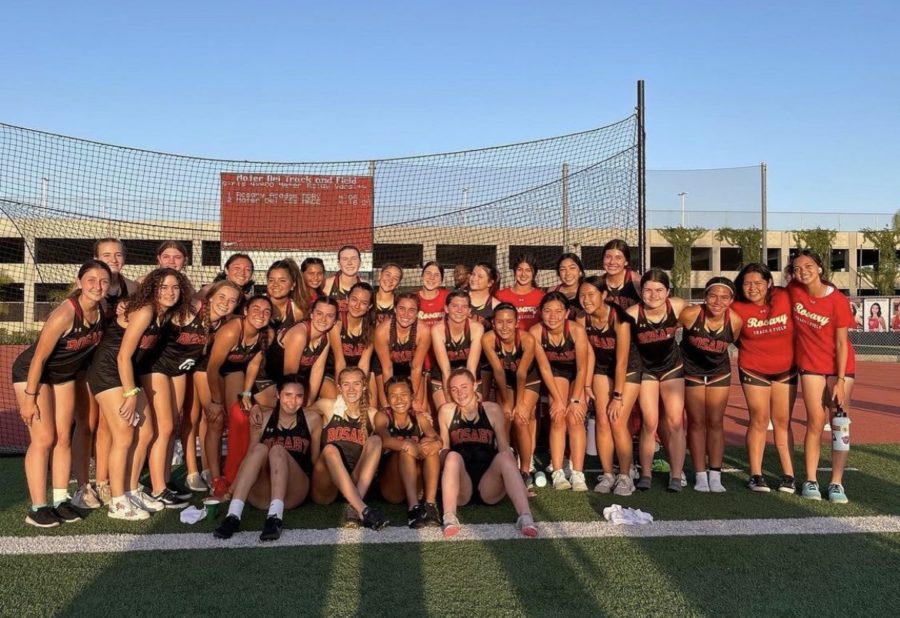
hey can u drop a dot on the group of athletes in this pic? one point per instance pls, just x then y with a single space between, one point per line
327 385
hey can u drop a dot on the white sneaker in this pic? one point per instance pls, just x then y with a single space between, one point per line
206 477
143 501
606 484
624 485
559 480
715 482
195 482
577 481
567 468
635 475
86 498
683 479
121 508
701 482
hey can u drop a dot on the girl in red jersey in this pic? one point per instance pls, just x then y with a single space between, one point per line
349 262
523 294
767 371
276 472
562 357
306 348
456 342
655 324
350 450
876 320
510 354
826 361
312 272
411 463
614 380
709 329
432 297
402 345
44 377
478 462
622 282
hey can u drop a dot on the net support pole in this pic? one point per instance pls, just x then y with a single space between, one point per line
764 225
641 180
565 207
372 223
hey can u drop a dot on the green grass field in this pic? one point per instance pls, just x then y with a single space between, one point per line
741 575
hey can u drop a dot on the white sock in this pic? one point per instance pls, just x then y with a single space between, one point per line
276 508
236 507
60 496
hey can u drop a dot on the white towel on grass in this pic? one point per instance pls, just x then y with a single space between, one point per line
626 516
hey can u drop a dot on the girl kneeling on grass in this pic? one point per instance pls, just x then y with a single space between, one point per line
478 463
411 461
276 472
350 451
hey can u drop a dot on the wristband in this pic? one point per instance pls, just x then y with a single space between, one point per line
132 392
616 395
34 394
575 400
246 393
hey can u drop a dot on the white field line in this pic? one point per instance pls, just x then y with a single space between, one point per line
118 543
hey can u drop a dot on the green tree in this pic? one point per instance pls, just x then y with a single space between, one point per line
748 240
819 240
883 276
682 239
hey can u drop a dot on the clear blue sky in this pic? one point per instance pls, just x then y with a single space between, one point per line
813 88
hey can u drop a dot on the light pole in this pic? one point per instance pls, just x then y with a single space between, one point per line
681 195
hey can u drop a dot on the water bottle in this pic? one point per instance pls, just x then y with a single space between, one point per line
540 479
840 431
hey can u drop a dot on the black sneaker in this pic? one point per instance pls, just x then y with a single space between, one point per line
758 483
66 513
179 490
43 517
351 518
228 527
170 500
787 485
271 529
372 518
415 517
432 515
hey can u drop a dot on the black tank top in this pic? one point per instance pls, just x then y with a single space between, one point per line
604 339
475 438
510 361
457 351
484 313
402 353
352 347
561 357
656 342
706 353
241 354
113 299
625 296
283 322
104 370
296 440
411 432
184 346
310 355
383 313
71 353
348 435
339 295
210 339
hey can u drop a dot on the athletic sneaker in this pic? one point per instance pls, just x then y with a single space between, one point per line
451 525
125 510
271 529
559 480
66 513
170 500
228 527
179 490
606 484
787 484
525 525
42 517
715 482
415 517
577 481
86 498
104 493
683 479
195 482
144 501
206 477
372 518
351 518
624 485
644 483
674 485
701 482
633 473
432 515
836 494
811 491
758 483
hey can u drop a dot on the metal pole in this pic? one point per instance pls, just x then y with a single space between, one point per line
372 233
465 204
565 207
681 195
764 214
641 179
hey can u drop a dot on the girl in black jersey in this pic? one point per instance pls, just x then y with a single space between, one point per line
130 345
306 348
350 450
170 381
510 354
388 280
234 361
239 271
655 323
402 343
615 382
312 273
622 283
456 342
276 472
570 270
482 286
44 377
352 341
478 462
170 254
349 261
709 329
411 463
562 357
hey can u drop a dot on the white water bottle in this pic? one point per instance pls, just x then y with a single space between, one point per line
840 431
